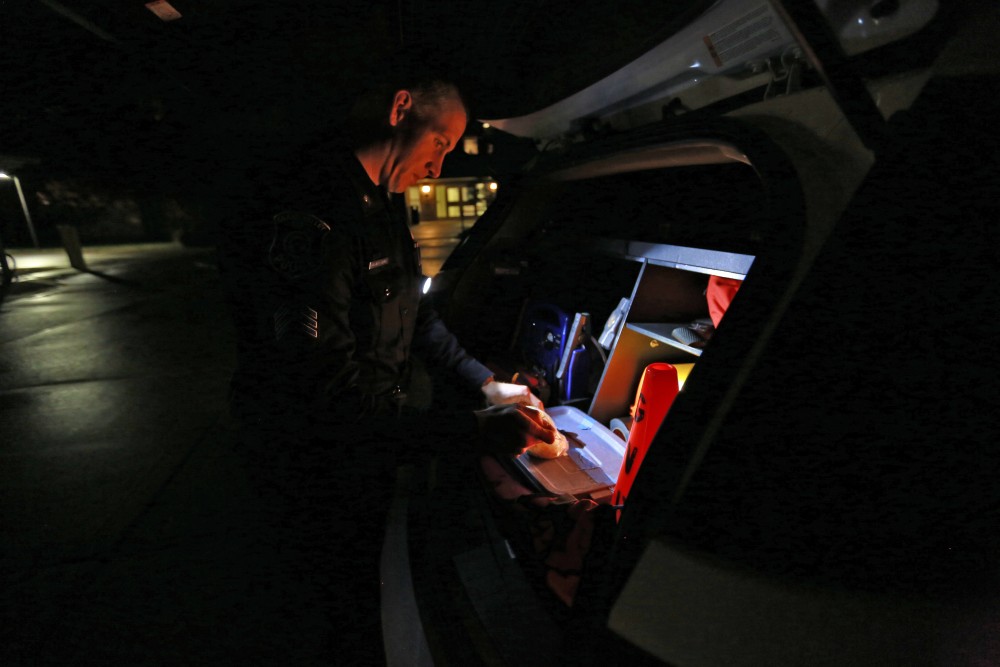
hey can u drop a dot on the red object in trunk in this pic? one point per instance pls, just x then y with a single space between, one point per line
657 389
720 293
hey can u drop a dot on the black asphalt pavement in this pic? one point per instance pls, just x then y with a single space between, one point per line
129 534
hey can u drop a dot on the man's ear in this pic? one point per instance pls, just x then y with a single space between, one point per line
402 105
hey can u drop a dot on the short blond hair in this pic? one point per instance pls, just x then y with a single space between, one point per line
421 71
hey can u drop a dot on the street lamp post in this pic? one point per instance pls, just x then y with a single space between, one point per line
24 205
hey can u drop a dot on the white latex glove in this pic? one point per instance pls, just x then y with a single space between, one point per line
507 393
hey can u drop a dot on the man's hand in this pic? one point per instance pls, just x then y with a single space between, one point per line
505 393
510 429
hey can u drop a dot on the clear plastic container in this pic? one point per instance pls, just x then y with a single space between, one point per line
590 467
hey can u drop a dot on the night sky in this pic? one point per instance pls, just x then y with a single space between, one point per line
106 89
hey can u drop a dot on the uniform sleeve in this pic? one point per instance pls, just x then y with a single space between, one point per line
437 344
312 321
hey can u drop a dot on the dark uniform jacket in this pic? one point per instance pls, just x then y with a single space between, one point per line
326 296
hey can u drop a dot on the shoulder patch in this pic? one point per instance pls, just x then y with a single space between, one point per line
296 247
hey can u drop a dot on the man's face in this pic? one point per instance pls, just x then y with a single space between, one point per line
420 145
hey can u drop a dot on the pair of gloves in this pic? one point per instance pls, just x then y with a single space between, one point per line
512 420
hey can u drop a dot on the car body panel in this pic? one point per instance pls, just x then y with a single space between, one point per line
730 48
793 509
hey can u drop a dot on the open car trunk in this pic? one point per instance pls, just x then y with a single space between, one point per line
626 235
822 489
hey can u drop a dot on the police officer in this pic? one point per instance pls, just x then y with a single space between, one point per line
326 295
